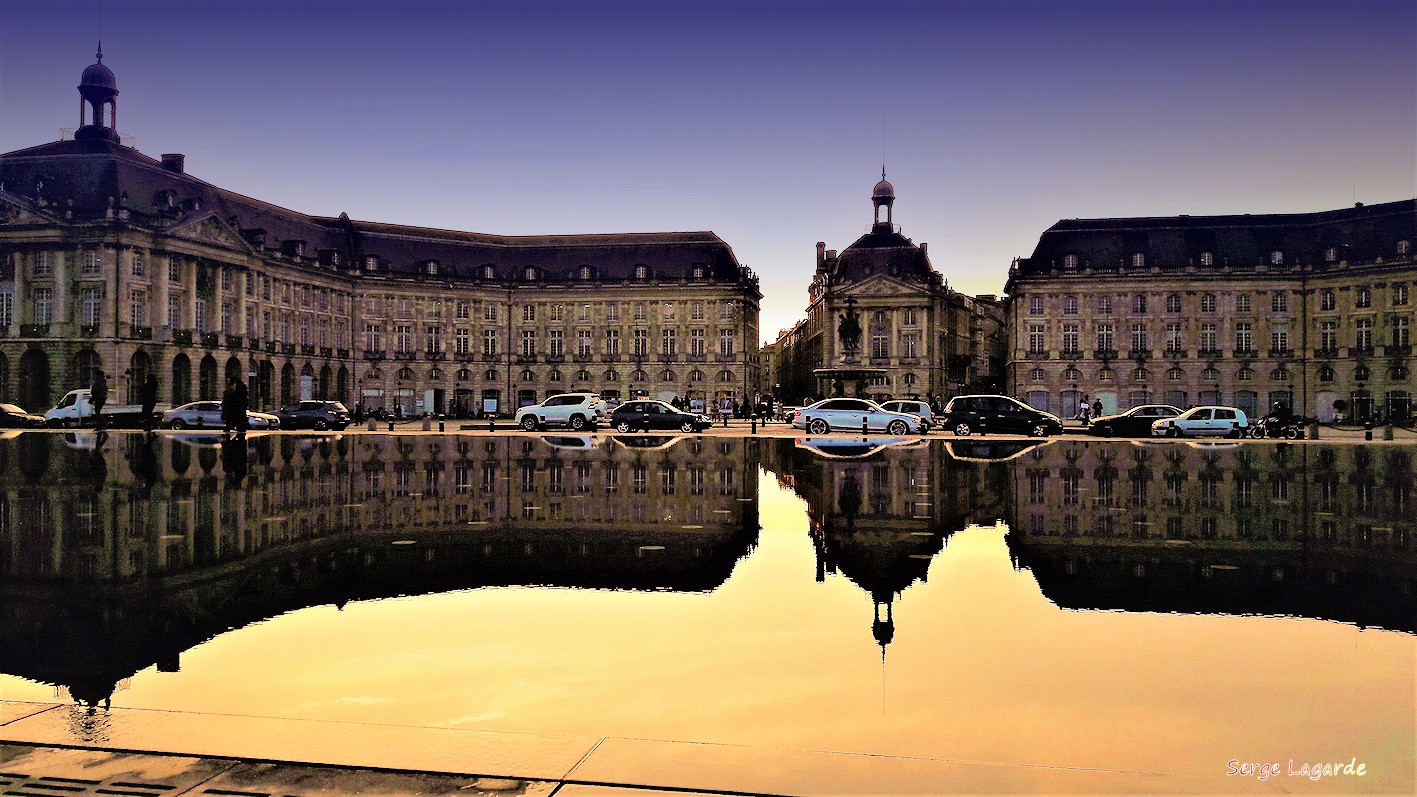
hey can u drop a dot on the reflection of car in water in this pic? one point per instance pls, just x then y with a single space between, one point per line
856 447
581 442
210 439
646 442
990 450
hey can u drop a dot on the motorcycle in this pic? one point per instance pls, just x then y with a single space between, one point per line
1273 426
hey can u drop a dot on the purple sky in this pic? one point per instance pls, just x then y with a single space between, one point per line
762 121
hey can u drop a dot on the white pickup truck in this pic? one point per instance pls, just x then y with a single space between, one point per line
76 409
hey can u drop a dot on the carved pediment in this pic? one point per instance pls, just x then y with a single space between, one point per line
17 211
211 229
884 286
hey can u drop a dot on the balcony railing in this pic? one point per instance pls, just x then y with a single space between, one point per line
373 354
1360 351
271 347
525 359
1104 354
1139 354
181 337
555 358
583 357
210 340
1176 354
491 357
233 341
343 354
406 356
434 355
91 331
1398 351
1070 354
1326 354
140 333
307 349
34 330
1246 354
1281 354
326 351
1039 355
1210 354
253 344
288 348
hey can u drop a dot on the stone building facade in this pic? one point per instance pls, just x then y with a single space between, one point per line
914 335
112 260
1312 310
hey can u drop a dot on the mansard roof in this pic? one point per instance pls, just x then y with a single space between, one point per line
883 251
1362 233
84 177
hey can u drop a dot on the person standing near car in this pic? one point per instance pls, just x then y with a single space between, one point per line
147 395
98 396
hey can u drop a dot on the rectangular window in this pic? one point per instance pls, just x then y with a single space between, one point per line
43 266
1400 334
1036 344
462 341
583 344
557 343
174 274
1140 340
489 342
138 305
403 335
1104 305
228 312
1363 333
91 266
1363 298
1173 337
725 309
910 319
463 311
1242 303
558 312
696 311
1244 337
489 312
1328 335
250 325
1070 305
1173 303
909 345
1328 300
1399 295
641 342
304 330
432 338
7 308
1279 340
641 311
612 311
1209 337
528 312
1035 305
1070 337
43 305
725 342
1208 303
529 343
1106 337
90 305
668 343
199 319
880 345
696 342
140 263
612 342
583 312
1279 302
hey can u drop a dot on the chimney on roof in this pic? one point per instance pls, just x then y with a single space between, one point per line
174 162
924 249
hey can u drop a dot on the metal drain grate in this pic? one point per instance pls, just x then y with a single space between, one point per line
17 785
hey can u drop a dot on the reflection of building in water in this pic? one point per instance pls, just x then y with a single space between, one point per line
1316 531
879 519
98 581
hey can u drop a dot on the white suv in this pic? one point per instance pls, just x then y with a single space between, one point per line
574 410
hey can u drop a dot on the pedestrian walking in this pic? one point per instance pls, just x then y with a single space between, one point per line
147 395
1097 408
98 396
233 408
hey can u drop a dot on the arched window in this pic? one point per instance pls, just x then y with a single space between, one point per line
1037 375
1140 375
490 375
1245 375
696 375
666 375
612 376
464 375
528 376
583 375
1210 375
638 375
1325 373
1281 375
554 376
725 376
1175 374
405 373
910 380
1362 374
1106 375
1072 374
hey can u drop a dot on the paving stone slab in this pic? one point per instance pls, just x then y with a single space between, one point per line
10 711
267 780
437 750
26 770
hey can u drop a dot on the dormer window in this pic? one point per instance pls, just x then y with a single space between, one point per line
1207 258
641 271
1276 258
1404 247
1070 262
698 272
529 274
586 273
430 267
371 262
489 272
1138 260
1331 254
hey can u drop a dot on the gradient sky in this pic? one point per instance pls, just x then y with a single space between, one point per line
762 121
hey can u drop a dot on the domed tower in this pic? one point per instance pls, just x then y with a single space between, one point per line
98 88
882 194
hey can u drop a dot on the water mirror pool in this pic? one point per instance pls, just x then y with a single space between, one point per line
1148 607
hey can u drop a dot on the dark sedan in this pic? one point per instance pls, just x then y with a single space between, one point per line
1135 422
647 415
13 417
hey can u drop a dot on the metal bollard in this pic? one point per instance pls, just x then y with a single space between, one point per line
391 426
427 423
725 421
440 426
753 419
491 423
373 424
1313 430
1387 431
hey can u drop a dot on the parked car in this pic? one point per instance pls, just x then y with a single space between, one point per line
645 415
317 415
574 410
965 415
1134 422
1203 422
847 415
13 417
911 407
207 415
